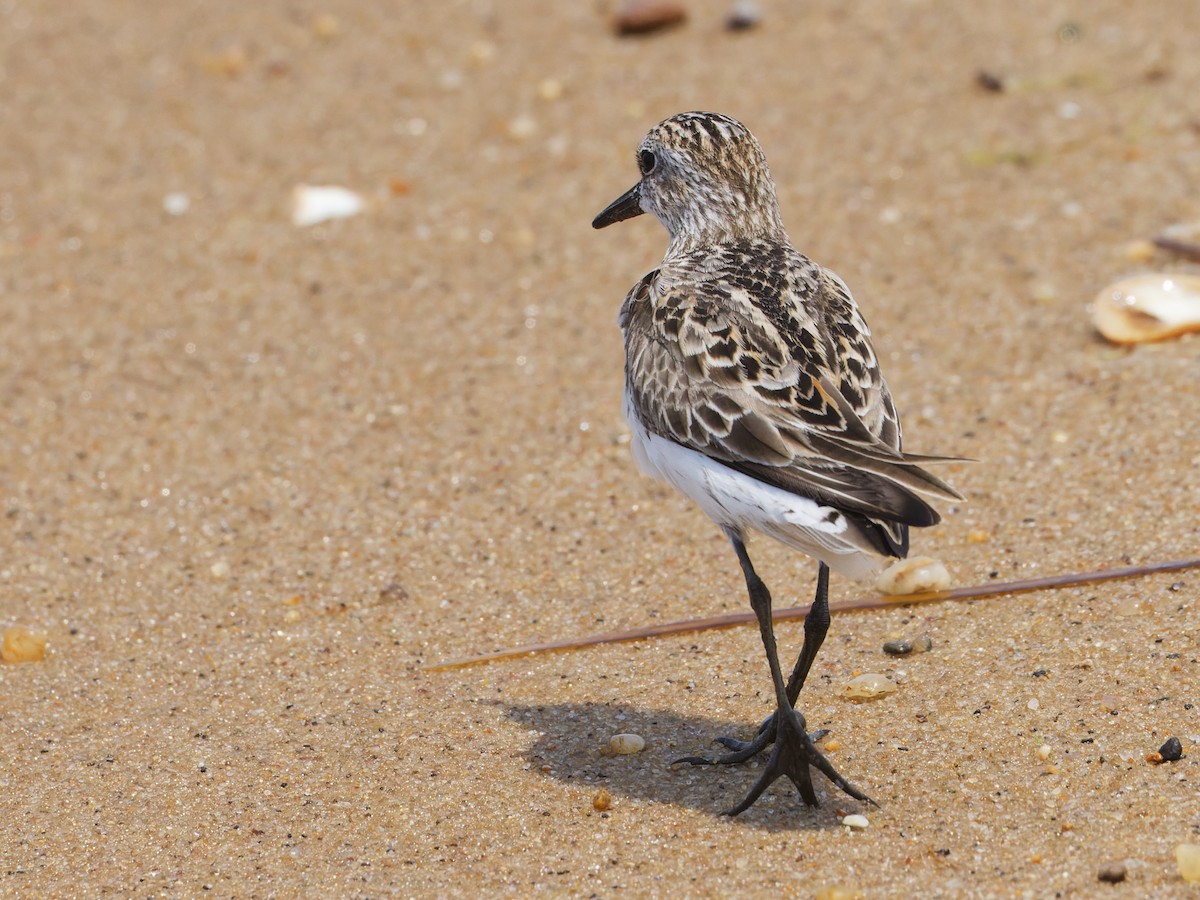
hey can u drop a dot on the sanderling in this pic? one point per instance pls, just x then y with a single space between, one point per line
751 386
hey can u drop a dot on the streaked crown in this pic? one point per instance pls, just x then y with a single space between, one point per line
706 179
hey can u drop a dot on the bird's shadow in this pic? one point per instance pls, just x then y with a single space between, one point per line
571 746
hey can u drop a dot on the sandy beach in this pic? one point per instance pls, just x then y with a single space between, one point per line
258 477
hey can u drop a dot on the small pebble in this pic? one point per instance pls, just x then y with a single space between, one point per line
856 821
325 26
312 204
602 800
1140 251
743 16
923 644
522 128
838 892
1112 872
1171 749
898 648
868 687
625 744
1044 752
978 536
220 569
1187 857
990 81
176 203
646 16
22 644
913 576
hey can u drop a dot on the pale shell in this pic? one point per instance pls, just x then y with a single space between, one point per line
317 203
625 744
1150 307
915 575
868 687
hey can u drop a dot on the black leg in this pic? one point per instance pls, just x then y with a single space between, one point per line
816 626
794 751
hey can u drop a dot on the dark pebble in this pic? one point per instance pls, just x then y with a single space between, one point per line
743 16
646 16
1113 872
990 82
898 648
1171 750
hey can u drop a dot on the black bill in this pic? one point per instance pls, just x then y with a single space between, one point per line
628 205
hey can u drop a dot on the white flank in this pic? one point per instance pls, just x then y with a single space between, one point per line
733 499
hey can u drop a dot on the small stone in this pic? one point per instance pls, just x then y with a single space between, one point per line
1141 251
990 81
856 821
868 687
646 16
22 644
923 644
220 569
550 89
838 892
325 26
917 575
1187 857
522 128
313 204
602 800
176 203
1112 872
743 16
625 744
1171 750
898 648
832 746
1044 752
978 536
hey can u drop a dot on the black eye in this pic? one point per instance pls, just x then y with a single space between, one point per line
646 161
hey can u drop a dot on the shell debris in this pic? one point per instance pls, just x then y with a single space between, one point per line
915 575
626 744
1151 307
870 686
312 204
22 644
1187 858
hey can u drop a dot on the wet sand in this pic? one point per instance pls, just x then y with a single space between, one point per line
257 477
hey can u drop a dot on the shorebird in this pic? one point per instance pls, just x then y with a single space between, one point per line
752 387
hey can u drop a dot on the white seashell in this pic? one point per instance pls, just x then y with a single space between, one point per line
915 575
868 687
314 203
1149 307
856 820
624 744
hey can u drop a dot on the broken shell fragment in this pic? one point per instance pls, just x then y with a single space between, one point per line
20 644
916 575
1150 307
868 687
316 203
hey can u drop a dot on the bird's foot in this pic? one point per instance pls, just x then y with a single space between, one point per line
744 750
794 753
